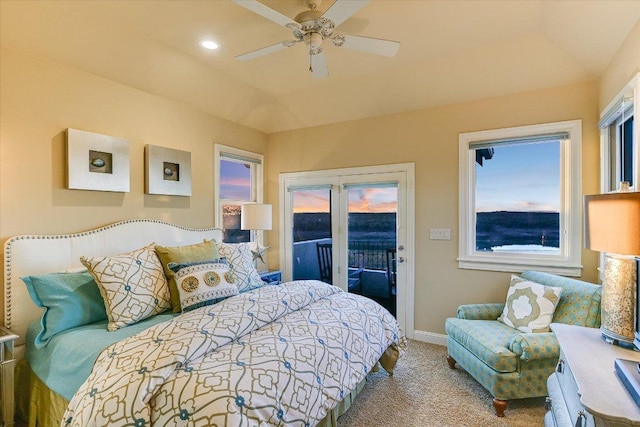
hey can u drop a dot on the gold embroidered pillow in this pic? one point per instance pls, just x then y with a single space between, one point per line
529 306
132 284
203 283
240 260
204 251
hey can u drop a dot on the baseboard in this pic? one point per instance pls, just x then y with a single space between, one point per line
430 337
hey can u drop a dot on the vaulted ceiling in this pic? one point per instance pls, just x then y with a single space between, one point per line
451 51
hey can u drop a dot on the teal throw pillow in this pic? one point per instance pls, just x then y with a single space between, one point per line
69 300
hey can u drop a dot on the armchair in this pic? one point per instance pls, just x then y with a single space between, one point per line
509 363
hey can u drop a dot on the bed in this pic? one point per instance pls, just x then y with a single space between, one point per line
110 348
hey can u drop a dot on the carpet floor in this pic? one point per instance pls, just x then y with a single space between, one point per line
424 392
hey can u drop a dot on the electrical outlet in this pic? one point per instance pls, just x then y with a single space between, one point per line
440 234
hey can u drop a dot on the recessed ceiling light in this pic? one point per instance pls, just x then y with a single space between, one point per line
209 44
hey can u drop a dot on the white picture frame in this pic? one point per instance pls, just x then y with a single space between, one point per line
167 171
97 162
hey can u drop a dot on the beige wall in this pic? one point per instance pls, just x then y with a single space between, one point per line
624 65
40 99
429 138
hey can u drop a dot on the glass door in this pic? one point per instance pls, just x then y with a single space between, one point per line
348 230
372 228
311 233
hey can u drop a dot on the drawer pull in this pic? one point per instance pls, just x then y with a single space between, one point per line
582 420
560 366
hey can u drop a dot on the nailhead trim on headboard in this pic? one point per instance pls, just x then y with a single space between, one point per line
9 242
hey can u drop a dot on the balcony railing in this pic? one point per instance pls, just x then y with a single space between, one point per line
369 254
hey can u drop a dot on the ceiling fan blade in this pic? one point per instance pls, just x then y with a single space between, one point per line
369 44
266 50
319 66
266 12
342 10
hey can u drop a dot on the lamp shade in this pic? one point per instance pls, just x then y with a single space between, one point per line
612 223
255 216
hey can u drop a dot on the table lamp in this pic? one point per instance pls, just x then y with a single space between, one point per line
256 217
612 226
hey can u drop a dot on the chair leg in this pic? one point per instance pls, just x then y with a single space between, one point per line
451 361
500 406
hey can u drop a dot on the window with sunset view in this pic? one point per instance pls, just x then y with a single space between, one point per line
520 198
239 180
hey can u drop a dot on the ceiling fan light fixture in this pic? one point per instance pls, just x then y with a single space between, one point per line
313 41
209 44
313 26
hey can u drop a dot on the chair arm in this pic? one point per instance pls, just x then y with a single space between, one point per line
490 311
532 346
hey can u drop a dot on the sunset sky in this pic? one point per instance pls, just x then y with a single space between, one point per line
524 177
235 181
521 178
370 200
235 184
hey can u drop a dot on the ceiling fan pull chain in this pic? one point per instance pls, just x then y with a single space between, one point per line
310 67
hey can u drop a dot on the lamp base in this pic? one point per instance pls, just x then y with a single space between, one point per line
615 339
618 299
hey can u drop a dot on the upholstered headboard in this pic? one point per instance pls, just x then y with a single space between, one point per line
31 254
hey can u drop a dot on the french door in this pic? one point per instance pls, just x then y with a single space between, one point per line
350 228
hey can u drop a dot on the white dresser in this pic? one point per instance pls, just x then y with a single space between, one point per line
585 390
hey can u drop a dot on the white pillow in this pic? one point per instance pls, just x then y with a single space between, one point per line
530 305
203 283
240 260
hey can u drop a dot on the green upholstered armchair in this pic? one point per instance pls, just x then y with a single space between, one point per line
509 363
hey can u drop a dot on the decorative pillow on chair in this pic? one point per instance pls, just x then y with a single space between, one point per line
69 299
240 260
133 285
529 306
204 251
203 283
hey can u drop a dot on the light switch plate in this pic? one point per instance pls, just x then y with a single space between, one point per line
440 233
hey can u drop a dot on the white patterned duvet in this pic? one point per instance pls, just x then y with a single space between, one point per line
279 355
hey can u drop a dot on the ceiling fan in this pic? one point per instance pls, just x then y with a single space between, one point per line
313 27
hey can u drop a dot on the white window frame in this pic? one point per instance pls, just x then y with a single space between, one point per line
257 184
568 262
624 104
626 101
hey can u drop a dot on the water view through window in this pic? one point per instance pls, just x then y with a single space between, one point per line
371 222
517 198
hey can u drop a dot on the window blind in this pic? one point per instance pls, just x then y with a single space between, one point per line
358 186
519 140
240 158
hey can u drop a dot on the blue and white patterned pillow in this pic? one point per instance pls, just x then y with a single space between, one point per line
240 260
202 283
132 284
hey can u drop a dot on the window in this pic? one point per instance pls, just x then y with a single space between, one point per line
238 180
619 140
520 198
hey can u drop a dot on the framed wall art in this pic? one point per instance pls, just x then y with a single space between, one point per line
97 162
168 171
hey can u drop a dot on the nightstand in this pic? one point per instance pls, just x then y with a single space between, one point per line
272 277
7 365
